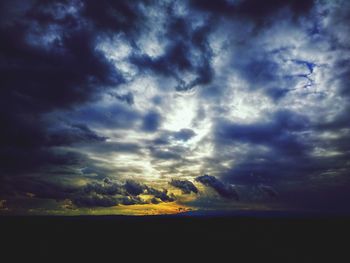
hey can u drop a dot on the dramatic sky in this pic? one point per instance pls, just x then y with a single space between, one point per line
154 107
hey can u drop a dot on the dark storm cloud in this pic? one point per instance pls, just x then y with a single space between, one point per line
109 193
184 134
114 16
167 137
283 147
277 133
75 133
48 62
107 188
95 201
285 137
33 185
162 195
261 73
25 160
161 140
269 81
223 189
151 121
179 54
134 188
164 154
128 98
253 58
106 195
268 190
97 193
113 147
253 9
73 72
186 186
275 169
278 168
263 70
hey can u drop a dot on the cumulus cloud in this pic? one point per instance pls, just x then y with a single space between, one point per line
162 195
96 193
223 189
134 188
186 186
110 193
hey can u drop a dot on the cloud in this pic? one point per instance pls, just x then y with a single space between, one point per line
279 133
184 134
31 160
106 115
164 154
107 188
162 195
76 133
188 52
134 188
151 121
128 98
268 190
253 9
186 186
95 200
42 189
52 64
109 193
166 137
96 193
113 16
224 190
254 93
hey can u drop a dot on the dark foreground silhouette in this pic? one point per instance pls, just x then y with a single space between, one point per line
217 237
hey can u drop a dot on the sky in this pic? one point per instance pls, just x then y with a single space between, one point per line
163 107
